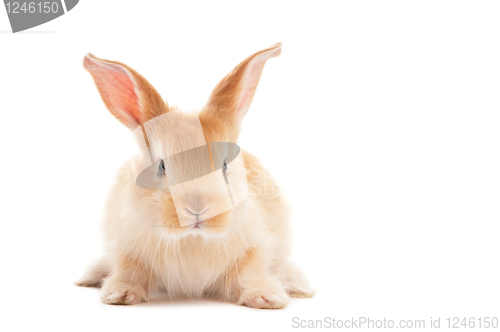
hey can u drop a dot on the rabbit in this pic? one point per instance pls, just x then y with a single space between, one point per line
244 260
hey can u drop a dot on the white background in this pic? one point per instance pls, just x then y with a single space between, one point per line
380 120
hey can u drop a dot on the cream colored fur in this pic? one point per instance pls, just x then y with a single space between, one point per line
239 256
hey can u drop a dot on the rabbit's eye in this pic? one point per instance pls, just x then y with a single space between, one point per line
161 169
224 168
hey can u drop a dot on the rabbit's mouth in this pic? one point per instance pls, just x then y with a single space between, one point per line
198 224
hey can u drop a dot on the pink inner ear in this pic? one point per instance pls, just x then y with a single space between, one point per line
122 93
117 89
250 86
251 80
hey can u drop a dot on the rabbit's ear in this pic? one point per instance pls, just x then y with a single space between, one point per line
232 97
127 95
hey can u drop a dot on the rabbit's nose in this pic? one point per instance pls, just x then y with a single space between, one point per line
197 212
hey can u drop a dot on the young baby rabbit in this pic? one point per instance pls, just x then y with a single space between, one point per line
238 254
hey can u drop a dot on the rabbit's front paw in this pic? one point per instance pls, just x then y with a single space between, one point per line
264 300
301 294
123 294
